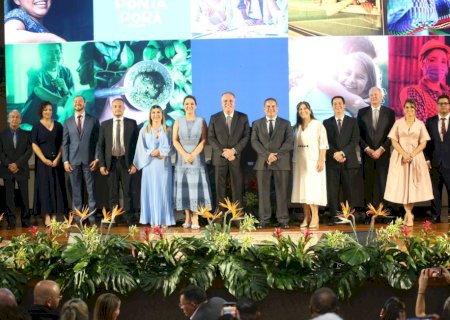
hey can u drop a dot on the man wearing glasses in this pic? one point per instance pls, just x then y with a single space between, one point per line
437 153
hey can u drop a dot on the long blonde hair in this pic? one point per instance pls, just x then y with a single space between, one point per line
163 120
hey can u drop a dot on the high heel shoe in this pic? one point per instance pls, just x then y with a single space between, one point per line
409 220
304 224
314 226
47 220
186 225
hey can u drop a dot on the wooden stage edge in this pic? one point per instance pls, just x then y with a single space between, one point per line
259 235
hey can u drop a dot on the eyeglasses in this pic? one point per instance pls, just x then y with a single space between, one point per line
443 103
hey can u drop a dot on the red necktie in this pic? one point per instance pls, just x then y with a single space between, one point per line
443 130
79 125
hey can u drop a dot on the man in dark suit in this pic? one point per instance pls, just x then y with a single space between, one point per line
80 136
116 147
272 139
437 153
15 151
341 162
374 123
196 306
228 134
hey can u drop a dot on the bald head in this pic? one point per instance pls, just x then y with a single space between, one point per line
322 301
47 293
7 298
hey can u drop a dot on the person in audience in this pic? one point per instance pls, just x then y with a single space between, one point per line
46 299
324 302
191 183
116 147
15 151
74 309
51 82
424 277
196 306
393 309
13 313
107 307
437 153
24 22
272 139
408 178
309 177
7 298
49 185
247 309
342 161
79 154
153 158
228 134
375 122
434 62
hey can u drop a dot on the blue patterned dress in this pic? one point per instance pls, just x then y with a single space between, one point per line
30 24
156 184
191 183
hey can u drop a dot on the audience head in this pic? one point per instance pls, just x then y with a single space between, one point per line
107 307
445 315
393 309
12 313
47 293
74 309
190 299
247 309
7 298
323 300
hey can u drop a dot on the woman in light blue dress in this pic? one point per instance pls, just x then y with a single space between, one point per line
152 151
191 183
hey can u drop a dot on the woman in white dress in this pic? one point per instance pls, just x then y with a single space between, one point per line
309 184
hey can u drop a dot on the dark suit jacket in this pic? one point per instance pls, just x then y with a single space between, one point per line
375 138
220 138
80 148
281 142
346 141
19 155
437 151
209 310
105 140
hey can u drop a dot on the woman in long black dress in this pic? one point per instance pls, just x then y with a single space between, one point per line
50 191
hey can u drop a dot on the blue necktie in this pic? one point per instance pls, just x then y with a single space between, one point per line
15 139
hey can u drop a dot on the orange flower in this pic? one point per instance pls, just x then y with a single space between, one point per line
204 212
232 207
377 212
346 212
116 211
106 216
83 214
68 222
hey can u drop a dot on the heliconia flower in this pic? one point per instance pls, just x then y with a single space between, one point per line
406 231
278 233
377 212
158 231
34 231
427 226
307 233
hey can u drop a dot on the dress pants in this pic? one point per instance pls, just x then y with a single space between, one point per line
281 179
439 178
119 176
10 203
221 173
76 177
337 177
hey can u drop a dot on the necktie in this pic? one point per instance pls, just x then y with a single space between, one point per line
443 130
229 123
270 127
117 142
375 117
339 123
79 124
15 139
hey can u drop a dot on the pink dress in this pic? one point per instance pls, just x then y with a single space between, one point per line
408 182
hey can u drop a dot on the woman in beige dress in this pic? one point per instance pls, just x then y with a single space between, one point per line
408 178
310 182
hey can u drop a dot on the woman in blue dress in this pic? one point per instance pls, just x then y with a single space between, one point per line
191 184
152 157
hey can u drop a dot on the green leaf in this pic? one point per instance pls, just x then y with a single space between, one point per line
127 57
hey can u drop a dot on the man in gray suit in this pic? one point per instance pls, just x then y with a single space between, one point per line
116 147
228 134
272 139
80 136
15 151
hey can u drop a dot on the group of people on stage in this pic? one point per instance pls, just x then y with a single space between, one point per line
323 157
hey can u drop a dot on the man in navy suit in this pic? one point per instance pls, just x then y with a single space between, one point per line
272 139
437 153
15 151
116 147
80 136
375 122
341 161
228 134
